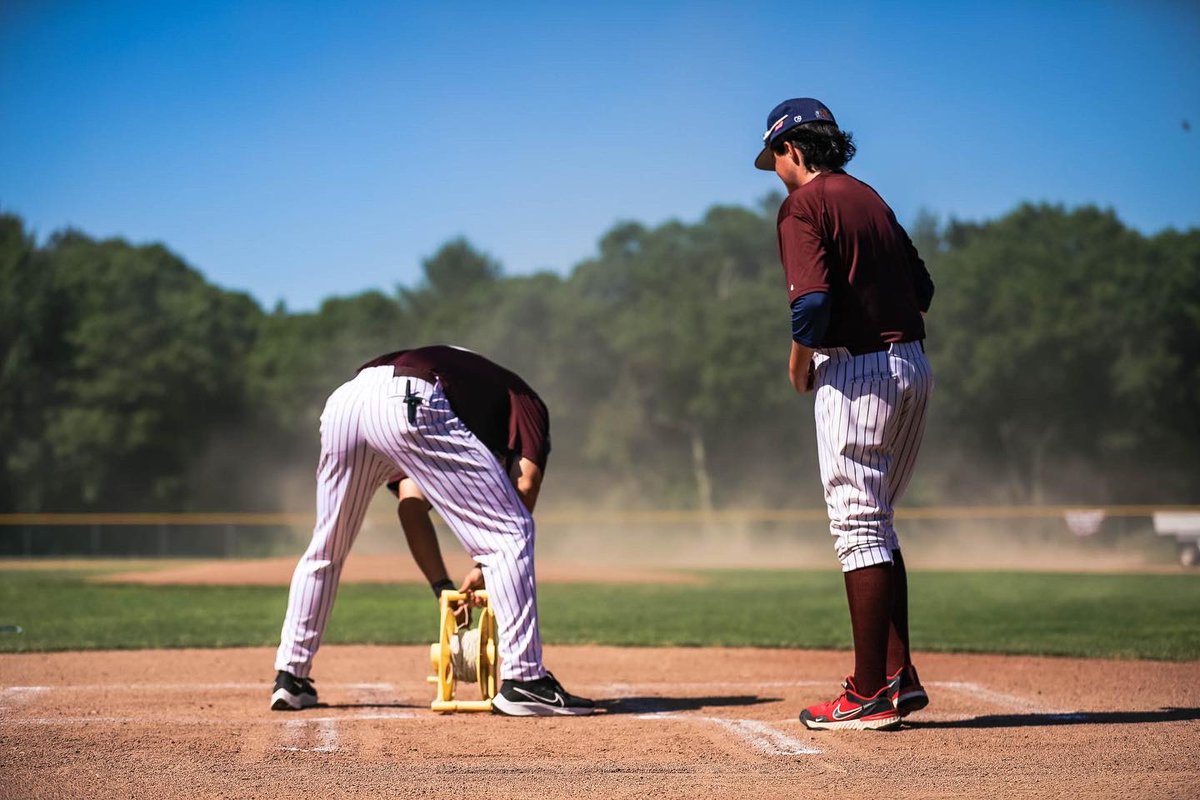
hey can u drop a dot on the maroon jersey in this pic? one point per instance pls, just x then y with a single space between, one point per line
836 235
494 403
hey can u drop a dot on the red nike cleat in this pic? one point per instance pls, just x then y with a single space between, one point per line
851 711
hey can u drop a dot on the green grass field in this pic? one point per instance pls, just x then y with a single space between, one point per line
1118 616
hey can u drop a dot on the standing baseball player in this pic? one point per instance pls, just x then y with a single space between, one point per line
857 290
435 416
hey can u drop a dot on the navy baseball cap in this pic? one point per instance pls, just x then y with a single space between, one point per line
786 116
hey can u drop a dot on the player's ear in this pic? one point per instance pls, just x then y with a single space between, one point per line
794 154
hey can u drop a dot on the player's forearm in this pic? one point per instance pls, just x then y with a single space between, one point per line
422 540
529 483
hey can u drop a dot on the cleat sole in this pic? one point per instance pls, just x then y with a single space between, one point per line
283 700
508 708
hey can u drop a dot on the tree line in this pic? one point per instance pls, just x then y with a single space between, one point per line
1066 349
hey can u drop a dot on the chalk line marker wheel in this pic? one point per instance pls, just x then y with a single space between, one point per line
467 655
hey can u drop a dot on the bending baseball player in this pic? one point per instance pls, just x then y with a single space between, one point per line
432 418
858 292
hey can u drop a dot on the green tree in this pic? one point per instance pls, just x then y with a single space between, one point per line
457 285
692 329
140 359
30 349
1064 343
300 358
1060 339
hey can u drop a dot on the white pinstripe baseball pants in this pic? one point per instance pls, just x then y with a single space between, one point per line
870 412
365 437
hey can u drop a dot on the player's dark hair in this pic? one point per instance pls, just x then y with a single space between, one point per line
824 145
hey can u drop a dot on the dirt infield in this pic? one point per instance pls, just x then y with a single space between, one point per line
678 723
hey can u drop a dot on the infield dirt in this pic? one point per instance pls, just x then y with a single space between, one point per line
678 723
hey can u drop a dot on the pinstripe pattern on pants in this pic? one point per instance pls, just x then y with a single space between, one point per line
870 414
366 437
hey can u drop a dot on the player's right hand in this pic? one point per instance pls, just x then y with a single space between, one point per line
470 584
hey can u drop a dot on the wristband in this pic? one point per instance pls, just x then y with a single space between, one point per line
441 586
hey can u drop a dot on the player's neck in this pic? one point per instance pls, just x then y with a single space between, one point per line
806 177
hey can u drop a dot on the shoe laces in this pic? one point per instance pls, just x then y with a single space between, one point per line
848 686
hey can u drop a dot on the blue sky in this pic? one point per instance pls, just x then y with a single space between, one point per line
301 150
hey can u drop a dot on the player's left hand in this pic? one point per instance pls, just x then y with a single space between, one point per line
800 369
803 382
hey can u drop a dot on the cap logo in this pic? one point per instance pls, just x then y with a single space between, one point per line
798 118
776 126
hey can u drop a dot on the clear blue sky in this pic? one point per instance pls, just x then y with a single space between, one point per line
301 150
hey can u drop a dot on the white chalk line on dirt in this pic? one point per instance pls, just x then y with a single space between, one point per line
764 738
20 695
139 687
761 737
1006 701
13 696
224 721
320 734
624 689
1009 702
302 731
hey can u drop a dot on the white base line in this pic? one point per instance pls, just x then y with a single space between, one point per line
625 689
324 730
19 695
761 737
764 738
263 686
1010 702
192 721
22 695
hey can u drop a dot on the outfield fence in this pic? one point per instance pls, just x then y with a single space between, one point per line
230 535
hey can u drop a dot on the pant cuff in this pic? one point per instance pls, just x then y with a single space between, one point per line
861 558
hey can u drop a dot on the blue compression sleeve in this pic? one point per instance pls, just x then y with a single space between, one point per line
810 318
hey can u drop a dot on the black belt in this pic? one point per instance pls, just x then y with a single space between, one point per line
400 371
879 348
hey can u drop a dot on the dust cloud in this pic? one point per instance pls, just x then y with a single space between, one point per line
576 531
1038 545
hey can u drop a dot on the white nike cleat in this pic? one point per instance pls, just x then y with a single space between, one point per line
544 697
292 693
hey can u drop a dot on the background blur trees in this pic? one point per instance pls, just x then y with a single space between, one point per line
1066 356
1065 345
119 362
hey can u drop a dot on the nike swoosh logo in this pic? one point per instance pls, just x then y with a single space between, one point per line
839 714
557 700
